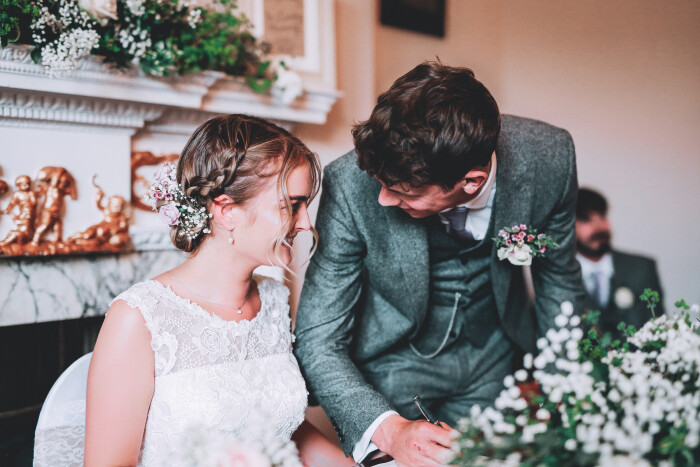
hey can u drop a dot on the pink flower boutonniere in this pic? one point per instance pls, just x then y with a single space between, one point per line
520 243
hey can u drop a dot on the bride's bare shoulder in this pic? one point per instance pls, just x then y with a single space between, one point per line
124 331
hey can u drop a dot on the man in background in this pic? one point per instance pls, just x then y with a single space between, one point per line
613 280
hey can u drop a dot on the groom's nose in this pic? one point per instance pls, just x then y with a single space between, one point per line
387 198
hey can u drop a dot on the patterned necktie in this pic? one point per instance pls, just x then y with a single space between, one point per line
597 291
457 218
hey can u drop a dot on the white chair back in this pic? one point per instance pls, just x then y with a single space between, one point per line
67 396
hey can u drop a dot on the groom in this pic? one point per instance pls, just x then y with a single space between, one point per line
405 295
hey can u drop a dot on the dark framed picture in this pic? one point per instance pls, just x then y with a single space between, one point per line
425 16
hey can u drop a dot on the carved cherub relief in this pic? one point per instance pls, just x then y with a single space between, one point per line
110 234
22 208
54 183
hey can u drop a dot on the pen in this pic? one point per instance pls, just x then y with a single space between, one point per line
425 411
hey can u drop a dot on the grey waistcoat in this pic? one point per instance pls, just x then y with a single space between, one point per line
456 268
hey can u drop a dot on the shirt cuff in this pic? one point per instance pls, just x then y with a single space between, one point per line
365 446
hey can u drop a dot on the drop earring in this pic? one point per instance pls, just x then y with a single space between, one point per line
230 237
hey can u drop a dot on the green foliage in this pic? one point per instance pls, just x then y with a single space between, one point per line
651 297
591 317
549 447
15 18
162 39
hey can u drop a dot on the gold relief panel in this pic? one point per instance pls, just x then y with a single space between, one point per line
141 184
37 208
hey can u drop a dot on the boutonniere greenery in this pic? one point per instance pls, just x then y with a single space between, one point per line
520 243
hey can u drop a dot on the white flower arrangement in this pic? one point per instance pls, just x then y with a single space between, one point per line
101 10
159 37
64 37
287 86
210 448
174 207
631 403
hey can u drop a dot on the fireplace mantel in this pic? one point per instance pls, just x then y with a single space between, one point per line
95 88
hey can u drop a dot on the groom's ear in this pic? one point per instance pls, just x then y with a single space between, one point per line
474 180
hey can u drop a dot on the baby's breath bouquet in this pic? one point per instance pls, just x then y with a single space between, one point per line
201 447
597 401
160 37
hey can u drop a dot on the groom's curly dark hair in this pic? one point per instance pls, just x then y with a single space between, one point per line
432 126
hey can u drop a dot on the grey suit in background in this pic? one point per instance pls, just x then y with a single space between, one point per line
635 273
366 290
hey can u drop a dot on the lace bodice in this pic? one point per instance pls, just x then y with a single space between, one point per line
211 374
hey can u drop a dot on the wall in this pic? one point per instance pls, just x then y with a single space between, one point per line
620 76
355 30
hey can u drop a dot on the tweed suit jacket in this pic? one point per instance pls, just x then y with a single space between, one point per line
366 289
635 273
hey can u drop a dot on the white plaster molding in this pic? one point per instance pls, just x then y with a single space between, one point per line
92 78
28 107
227 94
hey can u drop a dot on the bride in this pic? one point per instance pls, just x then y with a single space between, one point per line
208 343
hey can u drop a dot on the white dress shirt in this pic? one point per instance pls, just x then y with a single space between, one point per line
600 271
480 206
477 224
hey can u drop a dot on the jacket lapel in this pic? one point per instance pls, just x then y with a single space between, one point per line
513 206
409 238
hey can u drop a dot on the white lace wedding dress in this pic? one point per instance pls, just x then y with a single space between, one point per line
210 374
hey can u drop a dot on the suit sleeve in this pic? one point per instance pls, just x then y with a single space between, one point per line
325 320
557 276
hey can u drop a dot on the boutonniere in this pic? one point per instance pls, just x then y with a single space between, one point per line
520 243
624 298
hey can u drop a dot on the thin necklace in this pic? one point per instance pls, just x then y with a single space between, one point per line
239 309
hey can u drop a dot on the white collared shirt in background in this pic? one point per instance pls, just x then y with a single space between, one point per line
602 269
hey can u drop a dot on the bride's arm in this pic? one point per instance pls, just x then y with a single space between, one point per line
316 450
120 388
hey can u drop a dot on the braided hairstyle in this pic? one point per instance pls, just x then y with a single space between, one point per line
238 155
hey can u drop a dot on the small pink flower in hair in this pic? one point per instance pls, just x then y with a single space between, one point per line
543 249
168 197
163 172
157 194
530 237
523 227
169 214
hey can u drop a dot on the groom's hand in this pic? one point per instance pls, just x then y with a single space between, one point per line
415 443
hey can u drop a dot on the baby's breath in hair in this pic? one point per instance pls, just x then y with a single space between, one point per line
176 208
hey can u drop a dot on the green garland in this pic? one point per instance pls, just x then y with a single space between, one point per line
160 37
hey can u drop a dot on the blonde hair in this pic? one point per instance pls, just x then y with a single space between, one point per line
237 155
